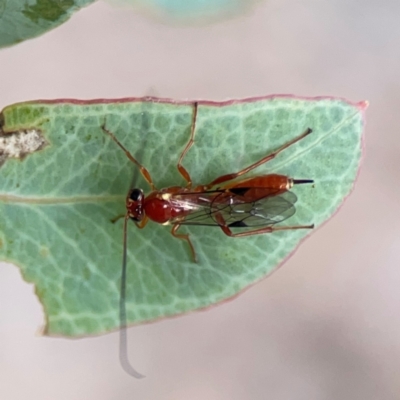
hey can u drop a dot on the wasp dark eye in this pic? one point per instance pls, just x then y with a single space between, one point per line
136 194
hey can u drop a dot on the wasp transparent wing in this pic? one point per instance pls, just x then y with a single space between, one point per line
235 208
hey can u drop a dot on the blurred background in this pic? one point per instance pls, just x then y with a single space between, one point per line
324 326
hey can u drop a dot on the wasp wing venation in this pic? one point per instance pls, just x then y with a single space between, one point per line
197 207
236 209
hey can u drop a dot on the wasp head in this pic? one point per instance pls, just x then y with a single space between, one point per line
134 204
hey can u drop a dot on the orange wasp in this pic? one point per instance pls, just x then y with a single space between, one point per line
253 205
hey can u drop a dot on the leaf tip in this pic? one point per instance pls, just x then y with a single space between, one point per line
363 105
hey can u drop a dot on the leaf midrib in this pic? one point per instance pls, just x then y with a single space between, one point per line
4 198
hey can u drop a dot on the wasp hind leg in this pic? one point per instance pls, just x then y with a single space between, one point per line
269 157
266 229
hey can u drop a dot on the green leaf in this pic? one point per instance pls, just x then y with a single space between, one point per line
25 19
57 203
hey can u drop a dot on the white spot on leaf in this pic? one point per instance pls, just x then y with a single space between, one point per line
19 144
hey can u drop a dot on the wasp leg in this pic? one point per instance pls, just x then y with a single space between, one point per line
269 157
267 229
143 222
184 237
117 218
145 173
182 170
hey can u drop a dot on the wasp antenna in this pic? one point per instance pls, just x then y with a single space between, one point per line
123 340
301 181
